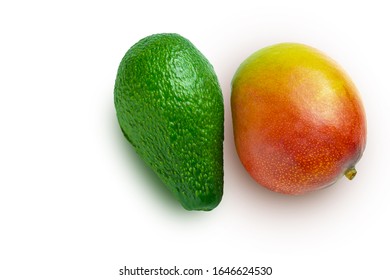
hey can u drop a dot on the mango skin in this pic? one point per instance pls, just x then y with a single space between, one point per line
298 121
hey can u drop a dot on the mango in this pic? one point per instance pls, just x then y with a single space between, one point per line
298 120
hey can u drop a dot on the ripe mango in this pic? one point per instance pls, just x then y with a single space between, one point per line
298 121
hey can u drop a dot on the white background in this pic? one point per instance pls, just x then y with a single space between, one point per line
76 202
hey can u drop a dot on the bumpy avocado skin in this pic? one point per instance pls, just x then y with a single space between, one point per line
170 108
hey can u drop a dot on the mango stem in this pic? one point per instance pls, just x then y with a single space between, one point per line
350 173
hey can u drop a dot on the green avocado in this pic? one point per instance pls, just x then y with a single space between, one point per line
170 108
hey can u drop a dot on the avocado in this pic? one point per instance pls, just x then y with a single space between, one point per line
169 106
